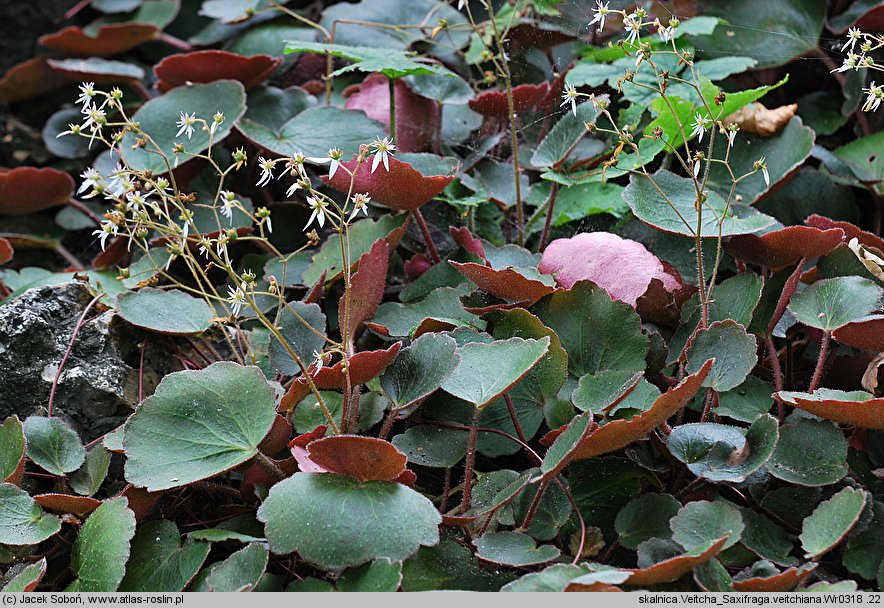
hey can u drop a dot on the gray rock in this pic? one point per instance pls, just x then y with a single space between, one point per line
98 388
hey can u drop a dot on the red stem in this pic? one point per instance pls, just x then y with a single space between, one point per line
67 353
820 362
431 246
470 462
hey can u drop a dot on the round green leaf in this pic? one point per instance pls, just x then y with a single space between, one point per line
88 478
746 402
22 521
733 349
809 453
678 215
564 136
378 576
102 548
167 312
242 571
198 424
302 339
724 453
864 159
69 146
766 539
554 578
384 520
432 446
513 549
830 303
597 392
12 448
698 523
420 369
159 115
597 332
160 561
644 518
864 553
831 521
487 370
53 445
450 565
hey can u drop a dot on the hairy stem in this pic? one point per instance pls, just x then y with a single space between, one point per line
470 462
819 370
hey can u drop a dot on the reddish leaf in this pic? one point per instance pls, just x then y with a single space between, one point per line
672 569
366 287
298 447
526 98
29 79
621 267
782 248
141 502
417 265
209 66
113 253
402 187
111 39
417 118
257 475
100 71
592 588
467 241
620 433
67 503
864 414
406 478
867 334
29 189
783 301
312 296
659 305
850 231
507 284
363 367
16 475
784 581
278 438
362 458
6 251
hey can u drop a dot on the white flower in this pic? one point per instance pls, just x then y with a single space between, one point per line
237 298
94 116
221 246
853 34
570 96
91 179
360 203
205 245
632 24
217 119
851 62
700 124
87 92
761 165
72 130
382 148
107 228
269 224
318 357
318 206
266 170
185 124
875 95
667 33
732 134
600 13
293 188
696 167
334 158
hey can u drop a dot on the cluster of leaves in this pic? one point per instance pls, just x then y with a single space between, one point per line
593 414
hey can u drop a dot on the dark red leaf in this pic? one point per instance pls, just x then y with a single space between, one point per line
209 66
315 292
784 581
112 254
141 502
417 118
864 414
507 284
6 251
362 458
402 187
867 334
783 301
672 569
67 503
366 287
258 475
29 79
850 231
111 39
782 248
467 241
526 98
417 265
29 189
658 305
298 447
278 437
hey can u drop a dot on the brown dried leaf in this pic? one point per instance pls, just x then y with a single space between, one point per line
758 120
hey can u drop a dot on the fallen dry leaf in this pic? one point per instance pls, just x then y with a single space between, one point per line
758 120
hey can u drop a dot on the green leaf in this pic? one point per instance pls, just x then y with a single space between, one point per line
160 561
722 67
302 339
22 521
101 550
25 579
12 447
242 571
863 156
718 452
809 453
486 371
170 312
558 454
450 565
736 298
198 424
552 579
766 539
733 349
88 478
420 369
746 402
831 521
442 304
712 576
432 446
219 535
798 24
864 552
299 506
830 303
157 118
378 576
565 135
53 445
389 62
513 549
597 332
679 216
701 521
596 392
644 518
